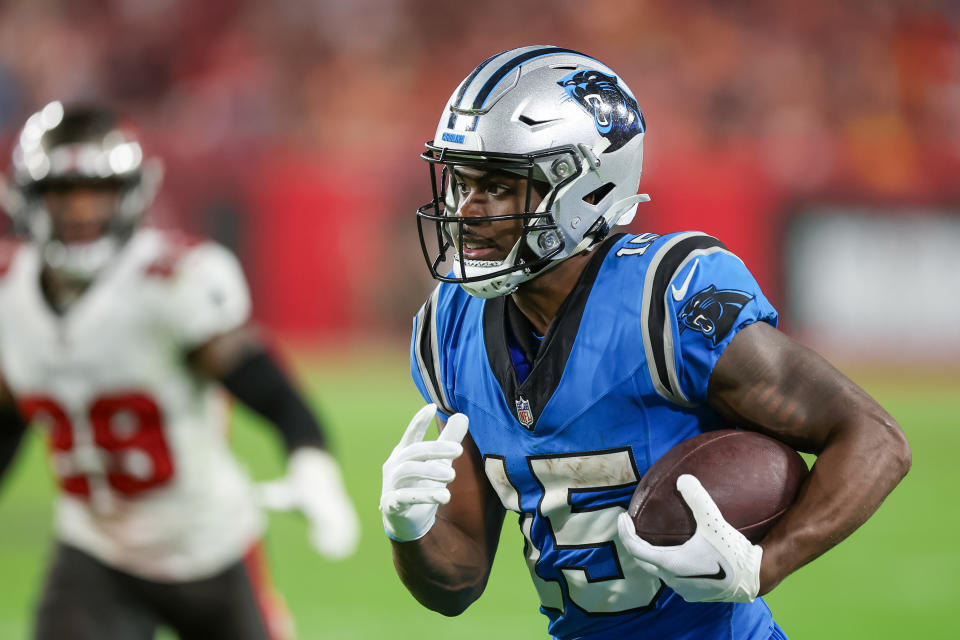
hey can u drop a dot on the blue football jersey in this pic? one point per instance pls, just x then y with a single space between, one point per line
620 378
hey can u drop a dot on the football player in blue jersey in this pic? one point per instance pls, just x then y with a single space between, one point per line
579 357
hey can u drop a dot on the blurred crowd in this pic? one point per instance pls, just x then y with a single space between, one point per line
291 130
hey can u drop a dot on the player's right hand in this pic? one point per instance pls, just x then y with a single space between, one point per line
416 474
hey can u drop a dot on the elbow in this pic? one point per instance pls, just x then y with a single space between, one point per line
454 602
446 589
881 440
451 610
900 451
888 448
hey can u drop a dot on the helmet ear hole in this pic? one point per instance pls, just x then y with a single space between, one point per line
597 195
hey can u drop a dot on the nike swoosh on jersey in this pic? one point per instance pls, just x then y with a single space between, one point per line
719 575
679 294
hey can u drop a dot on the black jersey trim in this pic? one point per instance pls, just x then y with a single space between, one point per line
551 357
522 330
427 353
657 328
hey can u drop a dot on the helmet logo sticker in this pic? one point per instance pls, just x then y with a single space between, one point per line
616 114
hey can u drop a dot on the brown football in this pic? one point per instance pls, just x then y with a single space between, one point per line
753 479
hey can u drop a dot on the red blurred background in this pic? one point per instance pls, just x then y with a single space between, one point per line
291 130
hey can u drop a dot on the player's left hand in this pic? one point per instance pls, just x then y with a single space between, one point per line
717 564
314 485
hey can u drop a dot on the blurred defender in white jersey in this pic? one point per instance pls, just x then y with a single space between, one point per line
116 341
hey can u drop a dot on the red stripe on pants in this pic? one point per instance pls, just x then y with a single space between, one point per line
276 616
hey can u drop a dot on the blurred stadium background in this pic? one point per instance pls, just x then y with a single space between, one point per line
820 140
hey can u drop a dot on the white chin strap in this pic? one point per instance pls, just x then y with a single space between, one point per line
80 261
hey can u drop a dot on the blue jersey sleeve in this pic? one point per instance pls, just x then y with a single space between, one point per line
417 374
425 358
710 297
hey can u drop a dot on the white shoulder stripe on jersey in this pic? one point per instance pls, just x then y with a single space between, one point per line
663 369
429 362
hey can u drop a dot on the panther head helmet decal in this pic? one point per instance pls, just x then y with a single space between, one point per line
615 112
712 312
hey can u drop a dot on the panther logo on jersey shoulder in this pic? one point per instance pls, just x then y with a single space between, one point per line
712 312
616 114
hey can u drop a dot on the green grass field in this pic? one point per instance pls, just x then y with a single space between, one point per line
894 578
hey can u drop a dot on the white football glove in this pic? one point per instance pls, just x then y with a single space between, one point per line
717 564
314 486
416 474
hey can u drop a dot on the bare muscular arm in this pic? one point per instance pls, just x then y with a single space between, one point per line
767 382
447 569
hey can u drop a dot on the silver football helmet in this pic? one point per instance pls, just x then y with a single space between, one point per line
60 148
555 117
